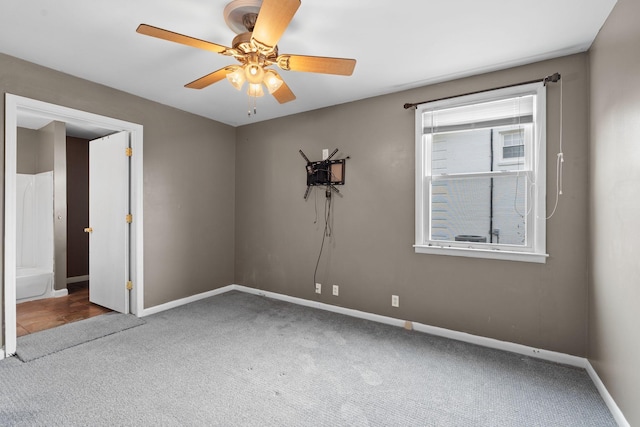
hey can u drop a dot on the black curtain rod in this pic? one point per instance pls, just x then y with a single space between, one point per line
552 78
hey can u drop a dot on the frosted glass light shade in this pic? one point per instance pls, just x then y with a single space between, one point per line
236 78
272 80
254 73
255 90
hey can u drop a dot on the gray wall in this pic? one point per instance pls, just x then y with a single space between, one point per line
54 135
189 188
614 286
28 141
35 151
189 208
370 255
48 145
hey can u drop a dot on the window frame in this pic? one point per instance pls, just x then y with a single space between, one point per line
535 248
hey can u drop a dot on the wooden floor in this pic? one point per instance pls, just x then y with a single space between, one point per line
34 316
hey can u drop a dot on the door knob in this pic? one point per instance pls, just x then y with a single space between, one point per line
88 230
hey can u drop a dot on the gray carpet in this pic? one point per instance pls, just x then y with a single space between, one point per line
242 360
34 346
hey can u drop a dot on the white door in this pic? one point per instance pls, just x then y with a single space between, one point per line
108 227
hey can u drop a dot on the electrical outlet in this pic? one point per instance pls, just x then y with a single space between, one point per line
395 301
336 290
325 153
318 288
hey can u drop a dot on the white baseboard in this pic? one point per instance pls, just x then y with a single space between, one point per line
551 356
177 303
322 306
77 279
57 293
608 399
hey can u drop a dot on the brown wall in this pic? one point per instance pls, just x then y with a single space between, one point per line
614 286
77 206
189 188
370 255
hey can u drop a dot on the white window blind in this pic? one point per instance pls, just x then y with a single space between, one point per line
471 198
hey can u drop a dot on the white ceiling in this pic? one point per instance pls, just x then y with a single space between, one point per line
398 45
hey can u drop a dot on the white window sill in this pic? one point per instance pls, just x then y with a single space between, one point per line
483 253
515 161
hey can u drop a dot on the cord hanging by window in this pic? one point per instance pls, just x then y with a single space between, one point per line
559 159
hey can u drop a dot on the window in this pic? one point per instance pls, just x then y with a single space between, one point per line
512 144
480 175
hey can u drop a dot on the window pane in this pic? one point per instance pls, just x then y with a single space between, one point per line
512 144
513 151
513 138
491 210
478 150
461 152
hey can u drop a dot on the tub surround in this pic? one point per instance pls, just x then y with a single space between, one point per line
34 232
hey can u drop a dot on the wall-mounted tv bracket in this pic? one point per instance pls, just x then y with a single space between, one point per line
328 172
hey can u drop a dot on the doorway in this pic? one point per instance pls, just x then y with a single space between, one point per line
20 110
46 313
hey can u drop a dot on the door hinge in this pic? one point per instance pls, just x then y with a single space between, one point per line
128 151
129 218
129 285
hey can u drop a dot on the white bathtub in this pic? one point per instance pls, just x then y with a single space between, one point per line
33 283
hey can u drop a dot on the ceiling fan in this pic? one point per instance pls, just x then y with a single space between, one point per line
259 25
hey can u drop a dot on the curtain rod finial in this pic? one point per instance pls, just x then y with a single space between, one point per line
553 78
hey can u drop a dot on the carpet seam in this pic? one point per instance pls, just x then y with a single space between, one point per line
76 345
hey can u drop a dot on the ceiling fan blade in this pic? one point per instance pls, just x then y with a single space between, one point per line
209 79
149 30
273 19
317 64
284 94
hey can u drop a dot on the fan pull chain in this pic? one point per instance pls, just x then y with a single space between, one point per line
255 106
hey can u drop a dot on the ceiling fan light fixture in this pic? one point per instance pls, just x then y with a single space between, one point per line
254 73
255 90
272 80
237 77
259 24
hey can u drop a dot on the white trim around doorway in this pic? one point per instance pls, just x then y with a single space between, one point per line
15 105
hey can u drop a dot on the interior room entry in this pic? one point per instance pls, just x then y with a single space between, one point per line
34 114
109 219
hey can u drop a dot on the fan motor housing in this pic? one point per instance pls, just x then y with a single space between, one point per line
242 43
240 15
